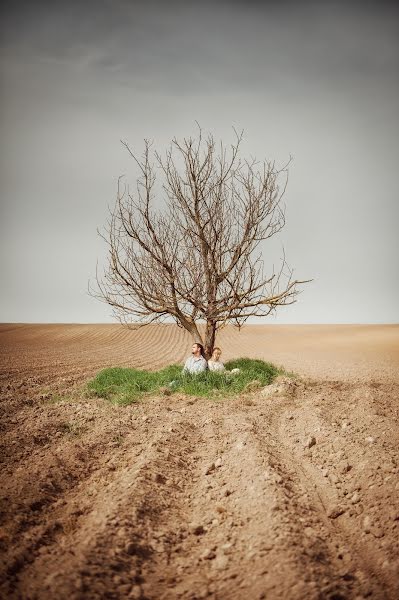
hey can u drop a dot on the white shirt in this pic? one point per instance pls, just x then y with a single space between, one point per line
195 365
214 365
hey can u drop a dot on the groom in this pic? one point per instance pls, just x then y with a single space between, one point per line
196 363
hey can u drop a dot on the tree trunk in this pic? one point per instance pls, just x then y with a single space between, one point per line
192 328
210 335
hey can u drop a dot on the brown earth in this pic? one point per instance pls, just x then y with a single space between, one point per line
287 492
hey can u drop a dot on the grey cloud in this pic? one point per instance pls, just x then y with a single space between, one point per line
212 46
318 80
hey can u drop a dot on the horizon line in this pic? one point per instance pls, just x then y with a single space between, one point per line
352 323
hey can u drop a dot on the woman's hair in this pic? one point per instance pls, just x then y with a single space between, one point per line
201 347
216 349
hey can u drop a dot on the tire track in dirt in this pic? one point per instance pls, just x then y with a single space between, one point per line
239 507
236 520
259 546
341 486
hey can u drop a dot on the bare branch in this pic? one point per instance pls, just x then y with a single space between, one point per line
197 258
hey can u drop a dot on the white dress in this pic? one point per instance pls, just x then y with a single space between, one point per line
214 365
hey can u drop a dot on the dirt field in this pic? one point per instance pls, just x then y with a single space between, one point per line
290 495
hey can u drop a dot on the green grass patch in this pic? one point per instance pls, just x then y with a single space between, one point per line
124 386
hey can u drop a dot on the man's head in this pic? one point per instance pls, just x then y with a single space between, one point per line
197 350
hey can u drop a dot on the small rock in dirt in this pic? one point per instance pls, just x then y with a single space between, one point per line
145 418
355 498
197 529
249 403
221 562
241 445
370 440
135 593
269 390
218 462
367 524
345 468
209 469
377 531
353 486
165 391
130 548
158 478
335 512
310 442
208 554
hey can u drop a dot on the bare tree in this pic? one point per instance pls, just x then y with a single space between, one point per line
196 259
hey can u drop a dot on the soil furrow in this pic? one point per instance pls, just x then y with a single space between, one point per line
289 495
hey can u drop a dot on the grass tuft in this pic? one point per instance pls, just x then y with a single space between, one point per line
124 386
72 428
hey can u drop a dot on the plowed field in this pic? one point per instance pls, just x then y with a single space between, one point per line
282 493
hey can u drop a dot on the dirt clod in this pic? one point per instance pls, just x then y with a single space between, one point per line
310 442
335 512
197 529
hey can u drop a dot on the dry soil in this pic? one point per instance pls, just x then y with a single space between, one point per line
290 492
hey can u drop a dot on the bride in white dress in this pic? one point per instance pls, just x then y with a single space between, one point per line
214 363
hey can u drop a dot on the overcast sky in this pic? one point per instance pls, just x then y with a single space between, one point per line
318 81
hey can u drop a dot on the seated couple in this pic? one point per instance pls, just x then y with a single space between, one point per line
197 362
